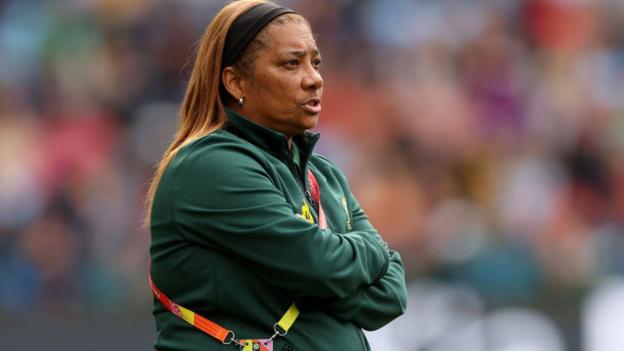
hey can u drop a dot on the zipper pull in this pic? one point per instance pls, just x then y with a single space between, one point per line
312 200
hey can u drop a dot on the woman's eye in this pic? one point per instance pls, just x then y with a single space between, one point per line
292 62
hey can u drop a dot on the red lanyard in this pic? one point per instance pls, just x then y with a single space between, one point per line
316 194
213 329
205 325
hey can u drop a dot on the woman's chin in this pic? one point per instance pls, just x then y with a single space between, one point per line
311 121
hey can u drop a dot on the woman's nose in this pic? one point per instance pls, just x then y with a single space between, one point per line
312 79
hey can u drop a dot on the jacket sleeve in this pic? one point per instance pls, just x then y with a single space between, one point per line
373 306
226 200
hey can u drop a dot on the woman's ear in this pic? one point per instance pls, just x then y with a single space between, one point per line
232 82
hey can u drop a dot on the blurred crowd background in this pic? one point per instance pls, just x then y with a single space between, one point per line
485 140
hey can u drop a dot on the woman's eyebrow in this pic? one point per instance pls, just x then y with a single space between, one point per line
302 53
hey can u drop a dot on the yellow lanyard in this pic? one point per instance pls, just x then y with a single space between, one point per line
213 329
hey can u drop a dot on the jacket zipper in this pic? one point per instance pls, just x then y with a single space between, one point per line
306 192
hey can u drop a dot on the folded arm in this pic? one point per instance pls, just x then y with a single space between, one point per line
373 306
226 200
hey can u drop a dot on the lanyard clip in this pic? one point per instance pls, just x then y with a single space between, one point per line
278 331
231 338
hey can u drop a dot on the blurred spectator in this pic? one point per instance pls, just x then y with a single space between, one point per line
491 134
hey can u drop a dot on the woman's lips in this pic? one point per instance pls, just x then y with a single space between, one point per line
312 106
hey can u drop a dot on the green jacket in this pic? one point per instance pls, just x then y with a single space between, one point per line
232 240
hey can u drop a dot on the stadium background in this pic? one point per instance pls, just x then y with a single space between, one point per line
484 139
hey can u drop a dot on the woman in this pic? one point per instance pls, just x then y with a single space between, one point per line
257 243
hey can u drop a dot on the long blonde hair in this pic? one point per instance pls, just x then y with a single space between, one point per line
202 110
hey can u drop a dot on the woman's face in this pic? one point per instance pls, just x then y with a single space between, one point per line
284 90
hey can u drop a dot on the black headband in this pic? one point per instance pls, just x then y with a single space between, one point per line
246 26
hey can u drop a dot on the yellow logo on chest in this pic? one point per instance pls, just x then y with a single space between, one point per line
306 213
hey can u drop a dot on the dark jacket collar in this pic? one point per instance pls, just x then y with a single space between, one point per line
269 139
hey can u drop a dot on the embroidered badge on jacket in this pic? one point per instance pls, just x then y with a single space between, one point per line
306 213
